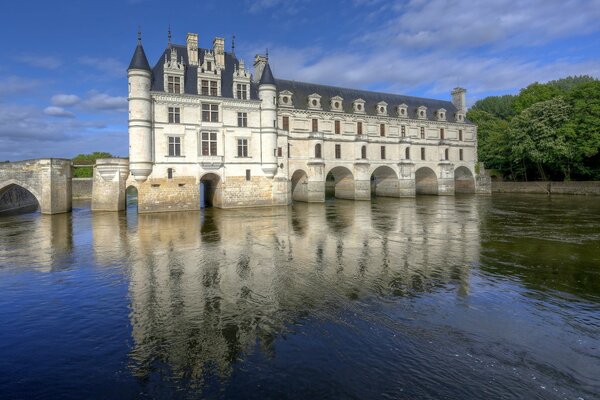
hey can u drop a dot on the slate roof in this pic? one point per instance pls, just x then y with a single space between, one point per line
267 76
191 73
139 60
301 91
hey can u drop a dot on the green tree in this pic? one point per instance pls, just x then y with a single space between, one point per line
492 140
87 159
571 82
498 106
533 94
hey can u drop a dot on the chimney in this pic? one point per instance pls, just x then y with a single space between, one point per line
219 49
259 65
192 48
459 98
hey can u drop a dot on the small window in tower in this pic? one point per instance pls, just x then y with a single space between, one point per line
422 153
315 125
363 152
359 130
337 127
403 130
286 123
422 132
460 154
407 153
383 152
279 152
381 129
460 135
442 133
338 151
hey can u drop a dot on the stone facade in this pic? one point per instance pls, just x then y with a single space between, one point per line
199 121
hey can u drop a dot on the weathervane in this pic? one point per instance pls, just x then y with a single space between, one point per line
233 44
139 34
169 35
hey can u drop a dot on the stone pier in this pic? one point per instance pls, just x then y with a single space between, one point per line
110 177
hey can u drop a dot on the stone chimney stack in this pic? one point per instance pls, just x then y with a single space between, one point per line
192 48
459 98
219 49
259 65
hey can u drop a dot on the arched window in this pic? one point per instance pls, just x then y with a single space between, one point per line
363 152
446 153
407 153
318 150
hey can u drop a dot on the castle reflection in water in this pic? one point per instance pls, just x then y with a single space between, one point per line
207 287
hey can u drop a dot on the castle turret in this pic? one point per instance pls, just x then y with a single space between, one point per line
267 93
139 76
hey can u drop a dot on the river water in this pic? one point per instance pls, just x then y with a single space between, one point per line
435 297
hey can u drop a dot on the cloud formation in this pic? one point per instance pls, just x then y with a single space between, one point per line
39 61
58 112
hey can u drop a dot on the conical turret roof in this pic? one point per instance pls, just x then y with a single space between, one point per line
267 76
139 60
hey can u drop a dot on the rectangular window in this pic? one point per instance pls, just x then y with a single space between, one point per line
381 129
210 113
359 128
174 84
338 151
422 153
279 152
242 119
209 66
337 127
209 143
460 154
442 133
208 87
403 130
248 176
460 137
383 152
169 173
242 147
286 123
242 91
422 133
213 88
174 146
174 115
315 125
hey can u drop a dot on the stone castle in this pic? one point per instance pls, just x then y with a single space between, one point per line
205 130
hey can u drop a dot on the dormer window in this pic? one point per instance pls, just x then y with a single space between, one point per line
242 91
314 101
285 98
422 112
336 103
403 110
173 84
441 114
460 117
209 66
359 106
382 108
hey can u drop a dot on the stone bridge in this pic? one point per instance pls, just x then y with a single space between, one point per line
45 181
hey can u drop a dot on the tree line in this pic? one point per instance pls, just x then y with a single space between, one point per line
549 131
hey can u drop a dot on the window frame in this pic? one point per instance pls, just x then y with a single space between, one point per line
382 152
173 84
174 146
315 125
338 151
174 115
242 148
211 112
208 146
242 119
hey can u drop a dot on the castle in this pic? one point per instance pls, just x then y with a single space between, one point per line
205 130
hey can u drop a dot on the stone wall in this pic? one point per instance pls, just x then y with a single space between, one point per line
580 188
81 188
238 192
177 194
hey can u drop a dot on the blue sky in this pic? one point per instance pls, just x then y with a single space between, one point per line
63 66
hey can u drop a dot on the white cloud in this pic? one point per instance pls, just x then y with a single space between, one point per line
17 85
65 100
58 112
288 7
111 67
39 61
105 102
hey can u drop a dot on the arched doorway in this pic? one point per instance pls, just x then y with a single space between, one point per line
384 182
131 198
426 181
16 199
300 186
210 191
464 182
340 183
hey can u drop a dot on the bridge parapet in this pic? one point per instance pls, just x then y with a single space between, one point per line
110 177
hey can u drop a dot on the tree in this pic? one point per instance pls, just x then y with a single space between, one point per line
534 93
569 83
498 106
493 146
87 159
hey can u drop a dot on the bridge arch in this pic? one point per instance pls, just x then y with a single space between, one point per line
16 196
210 190
342 181
426 181
131 197
464 181
300 185
384 182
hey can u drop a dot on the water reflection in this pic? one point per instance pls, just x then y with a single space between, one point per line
208 287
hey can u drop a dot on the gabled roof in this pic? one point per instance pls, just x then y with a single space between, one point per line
139 60
303 90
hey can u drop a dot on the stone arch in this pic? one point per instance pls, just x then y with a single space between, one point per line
384 182
299 185
464 181
131 197
342 180
426 181
210 190
16 196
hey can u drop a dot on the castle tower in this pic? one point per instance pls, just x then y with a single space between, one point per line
459 98
267 93
139 77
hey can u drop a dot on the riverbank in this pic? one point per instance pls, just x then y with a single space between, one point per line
587 188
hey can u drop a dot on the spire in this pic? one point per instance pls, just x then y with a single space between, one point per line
233 45
267 76
139 60
169 35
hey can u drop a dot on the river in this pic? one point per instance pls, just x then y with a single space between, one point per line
465 297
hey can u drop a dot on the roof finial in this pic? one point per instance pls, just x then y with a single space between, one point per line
267 54
139 34
169 35
233 44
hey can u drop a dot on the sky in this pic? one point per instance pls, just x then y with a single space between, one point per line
63 78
